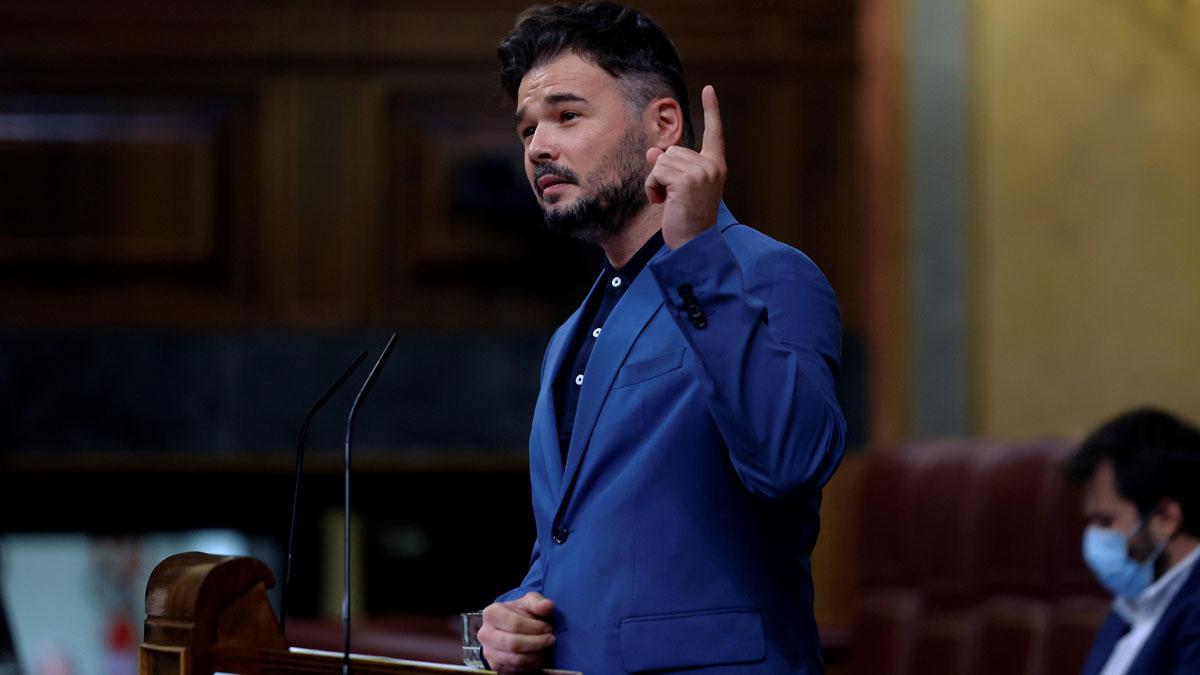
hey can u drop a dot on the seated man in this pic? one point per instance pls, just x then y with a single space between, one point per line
1141 480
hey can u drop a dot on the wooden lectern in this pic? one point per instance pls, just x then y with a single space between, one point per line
209 614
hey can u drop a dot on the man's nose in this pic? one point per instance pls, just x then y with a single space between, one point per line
542 146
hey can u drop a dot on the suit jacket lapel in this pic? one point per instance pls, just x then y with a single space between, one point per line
623 326
1113 629
545 413
1146 660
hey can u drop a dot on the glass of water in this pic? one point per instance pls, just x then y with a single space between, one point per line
472 651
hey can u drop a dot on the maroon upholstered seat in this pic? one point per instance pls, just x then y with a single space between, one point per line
1074 622
884 631
1019 494
947 642
889 604
946 523
1069 575
1014 637
888 493
970 563
946 529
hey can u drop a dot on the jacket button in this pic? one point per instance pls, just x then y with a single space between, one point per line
560 535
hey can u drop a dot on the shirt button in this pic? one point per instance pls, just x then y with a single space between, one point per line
560 535
616 282
579 379
596 333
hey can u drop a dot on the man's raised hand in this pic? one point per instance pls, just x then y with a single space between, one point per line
689 184
516 634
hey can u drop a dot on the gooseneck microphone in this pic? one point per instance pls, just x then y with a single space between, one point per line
358 400
291 546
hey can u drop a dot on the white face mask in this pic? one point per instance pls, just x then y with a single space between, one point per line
1106 551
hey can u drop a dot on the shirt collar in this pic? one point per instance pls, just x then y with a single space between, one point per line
631 269
1153 601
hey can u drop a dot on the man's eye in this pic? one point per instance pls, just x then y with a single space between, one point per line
568 116
527 132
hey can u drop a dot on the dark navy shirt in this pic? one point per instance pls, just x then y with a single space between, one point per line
611 289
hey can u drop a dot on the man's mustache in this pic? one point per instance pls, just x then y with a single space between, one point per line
552 169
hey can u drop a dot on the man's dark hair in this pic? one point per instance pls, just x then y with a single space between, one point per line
1155 456
627 44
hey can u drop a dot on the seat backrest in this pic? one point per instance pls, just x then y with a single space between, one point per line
946 522
884 631
1014 637
1020 492
947 641
1074 622
1069 575
967 549
885 549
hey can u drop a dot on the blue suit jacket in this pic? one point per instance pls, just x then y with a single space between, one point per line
1174 646
679 531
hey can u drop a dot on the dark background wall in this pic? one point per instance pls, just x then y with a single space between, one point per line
207 209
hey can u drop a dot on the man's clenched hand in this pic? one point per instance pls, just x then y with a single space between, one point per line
517 634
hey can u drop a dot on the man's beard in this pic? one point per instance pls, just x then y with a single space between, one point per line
598 217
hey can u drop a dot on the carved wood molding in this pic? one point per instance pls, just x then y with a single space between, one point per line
346 185
707 31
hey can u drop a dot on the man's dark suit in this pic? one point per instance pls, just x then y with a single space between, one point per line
1174 646
678 533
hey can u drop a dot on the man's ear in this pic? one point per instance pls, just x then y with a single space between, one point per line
663 120
1168 516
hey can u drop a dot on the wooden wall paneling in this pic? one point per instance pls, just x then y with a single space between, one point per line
277 186
743 34
338 195
467 246
321 202
791 142
344 181
117 205
764 142
119 197
350 180
877 130
834 235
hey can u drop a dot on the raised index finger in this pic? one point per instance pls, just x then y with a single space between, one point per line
714 137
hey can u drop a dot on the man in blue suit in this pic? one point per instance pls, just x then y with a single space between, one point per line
1141 477
687 419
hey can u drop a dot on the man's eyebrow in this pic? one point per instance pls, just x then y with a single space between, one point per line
552 99
565 97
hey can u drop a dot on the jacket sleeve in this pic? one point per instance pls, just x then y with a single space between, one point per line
532 581
1188 640
533 578
767 335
